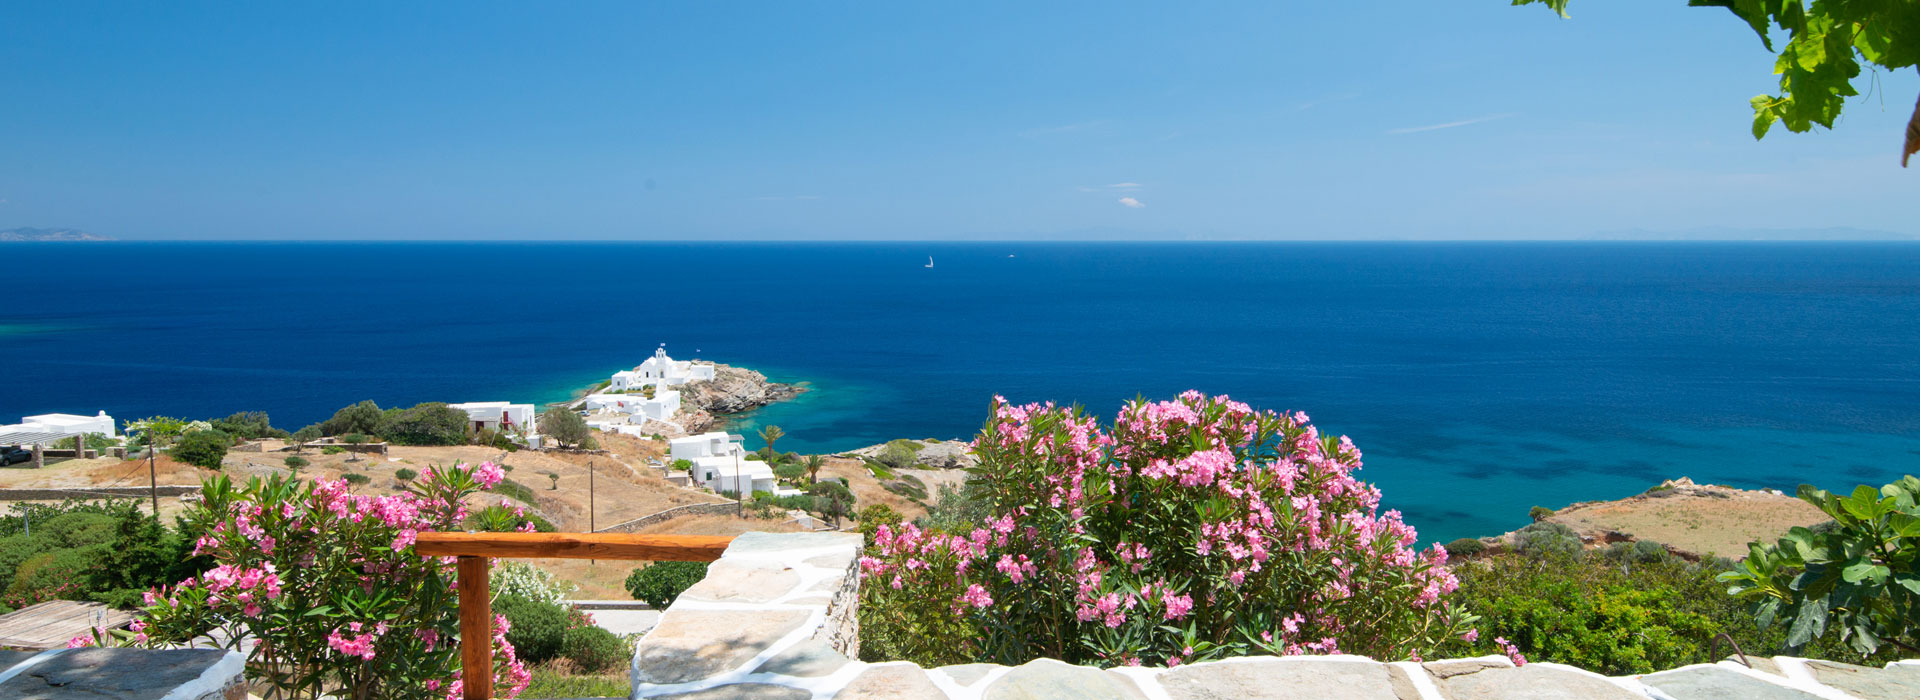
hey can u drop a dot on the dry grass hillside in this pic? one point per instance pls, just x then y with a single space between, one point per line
1693 519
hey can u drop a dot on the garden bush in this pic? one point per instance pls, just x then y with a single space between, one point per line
356 478
526 581
595 650
405 474
202 448
536 629
332 450
296 462
329 583
252 425
659 583
51 575
1188 530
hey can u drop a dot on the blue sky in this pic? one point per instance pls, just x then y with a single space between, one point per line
906 120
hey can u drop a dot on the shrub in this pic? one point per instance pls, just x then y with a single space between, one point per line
356 478
430 423
956 509
1465 548
1539 513
202 448
1858 581
405 474
507 518
659 583
332 450
874 516
1616 618
595 650
1637 552
363 417
567 427
1543 538
897 455
292 558
790 472
252 425
536 628
355 439
296 461
526 581
100 443
555 479
1188 530
60 573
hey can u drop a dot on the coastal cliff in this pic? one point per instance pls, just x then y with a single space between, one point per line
1694 521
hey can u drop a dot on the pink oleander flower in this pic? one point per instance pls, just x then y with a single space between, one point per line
1512 652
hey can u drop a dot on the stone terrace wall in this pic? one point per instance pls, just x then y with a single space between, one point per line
635 524
774 620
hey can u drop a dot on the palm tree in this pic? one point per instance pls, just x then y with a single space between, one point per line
771 434
814 463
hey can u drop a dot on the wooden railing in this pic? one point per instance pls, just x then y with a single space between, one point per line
476 550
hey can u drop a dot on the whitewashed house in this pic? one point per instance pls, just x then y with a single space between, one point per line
498 416
661 370
54 427
720 463
664 404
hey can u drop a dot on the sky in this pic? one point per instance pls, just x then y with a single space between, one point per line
1467 119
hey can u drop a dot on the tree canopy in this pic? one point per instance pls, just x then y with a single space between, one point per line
1826 42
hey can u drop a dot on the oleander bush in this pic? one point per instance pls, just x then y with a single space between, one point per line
1186 530
328 583
659 583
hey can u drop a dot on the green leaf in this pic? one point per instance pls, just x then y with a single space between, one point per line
1908 582
1863 570
1809 624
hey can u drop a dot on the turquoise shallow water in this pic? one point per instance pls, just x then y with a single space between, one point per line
1480 379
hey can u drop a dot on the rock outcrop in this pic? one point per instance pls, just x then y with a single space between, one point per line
927 454
732 390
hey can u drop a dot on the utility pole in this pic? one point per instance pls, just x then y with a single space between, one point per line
591 526
153 476
739 503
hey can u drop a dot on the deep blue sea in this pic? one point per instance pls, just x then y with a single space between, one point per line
1479 378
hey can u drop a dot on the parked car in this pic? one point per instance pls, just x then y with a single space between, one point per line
14 455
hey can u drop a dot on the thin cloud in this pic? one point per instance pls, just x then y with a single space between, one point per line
1125 185
1449 125
1131 203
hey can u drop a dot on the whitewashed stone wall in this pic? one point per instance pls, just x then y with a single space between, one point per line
774 620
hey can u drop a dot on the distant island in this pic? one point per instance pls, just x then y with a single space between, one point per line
50 234
1750 234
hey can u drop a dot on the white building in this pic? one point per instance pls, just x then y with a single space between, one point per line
661 407
720 463
56 426
661 370
498 416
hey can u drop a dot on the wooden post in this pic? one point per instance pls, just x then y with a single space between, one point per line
476 630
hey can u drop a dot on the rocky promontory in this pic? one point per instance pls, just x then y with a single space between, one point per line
732 390
1693 521
918 454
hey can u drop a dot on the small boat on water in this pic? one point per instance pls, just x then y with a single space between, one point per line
929 261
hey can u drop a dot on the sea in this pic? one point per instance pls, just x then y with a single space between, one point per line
1479 379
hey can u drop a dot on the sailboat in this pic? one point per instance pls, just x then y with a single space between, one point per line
929 261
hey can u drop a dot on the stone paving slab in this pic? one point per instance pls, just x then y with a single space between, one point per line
1281 678
125 674
1716 683
1867 682
1533 682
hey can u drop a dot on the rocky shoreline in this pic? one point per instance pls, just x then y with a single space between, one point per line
1693 521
